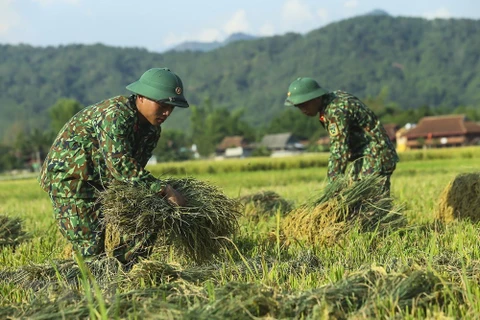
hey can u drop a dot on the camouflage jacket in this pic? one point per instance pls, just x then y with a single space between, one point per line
355 133
101 143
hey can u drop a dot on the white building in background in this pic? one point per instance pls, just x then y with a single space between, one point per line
194 150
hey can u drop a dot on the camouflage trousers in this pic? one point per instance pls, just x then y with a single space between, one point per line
79 220
367 166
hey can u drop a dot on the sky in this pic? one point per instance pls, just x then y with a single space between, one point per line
160 25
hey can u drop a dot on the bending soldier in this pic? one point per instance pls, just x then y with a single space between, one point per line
109 141
356 134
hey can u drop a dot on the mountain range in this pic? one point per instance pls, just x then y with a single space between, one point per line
413 62
209 46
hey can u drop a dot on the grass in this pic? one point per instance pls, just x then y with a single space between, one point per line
363 276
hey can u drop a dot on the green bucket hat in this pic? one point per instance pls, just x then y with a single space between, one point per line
161 85
302 90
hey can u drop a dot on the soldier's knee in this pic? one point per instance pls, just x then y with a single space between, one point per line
78 221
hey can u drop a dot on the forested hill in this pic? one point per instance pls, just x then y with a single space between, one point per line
420 62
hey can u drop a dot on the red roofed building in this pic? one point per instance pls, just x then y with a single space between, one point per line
443 131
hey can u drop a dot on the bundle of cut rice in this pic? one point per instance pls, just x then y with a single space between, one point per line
460 199
343 205
199 229
11 233
359 294
265 204
161 272
418 288
39 276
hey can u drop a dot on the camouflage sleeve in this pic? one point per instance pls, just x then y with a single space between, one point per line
339 152
113 136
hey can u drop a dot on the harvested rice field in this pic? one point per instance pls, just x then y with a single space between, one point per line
272 243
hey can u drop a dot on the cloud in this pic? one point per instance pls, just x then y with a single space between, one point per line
237 23
322 13
52 2
205 35
174 39
267 30
9 18
350 4
295 11
208 35
441 13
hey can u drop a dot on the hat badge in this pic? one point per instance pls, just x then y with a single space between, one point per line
178 90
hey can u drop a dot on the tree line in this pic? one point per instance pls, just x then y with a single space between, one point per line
209 125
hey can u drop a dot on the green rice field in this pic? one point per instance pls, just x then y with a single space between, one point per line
425 270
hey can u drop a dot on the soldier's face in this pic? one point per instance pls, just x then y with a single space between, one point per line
309 108
153 112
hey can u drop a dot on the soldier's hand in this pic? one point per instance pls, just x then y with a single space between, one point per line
173 196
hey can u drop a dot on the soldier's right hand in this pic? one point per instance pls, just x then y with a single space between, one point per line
173 196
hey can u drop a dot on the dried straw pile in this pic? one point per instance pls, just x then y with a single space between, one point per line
343 205
460 199
197 230
11 233
265 204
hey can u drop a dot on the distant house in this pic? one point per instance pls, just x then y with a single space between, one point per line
234 147
443 131
281 144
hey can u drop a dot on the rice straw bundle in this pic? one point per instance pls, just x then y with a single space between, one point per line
265 204
343 205
356 294
161 272
460 199
365 291
11 233
317 225
237 300
198 229
67 272
418 288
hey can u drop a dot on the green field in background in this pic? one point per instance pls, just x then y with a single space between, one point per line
417 183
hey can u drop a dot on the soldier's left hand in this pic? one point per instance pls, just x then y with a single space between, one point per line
173 196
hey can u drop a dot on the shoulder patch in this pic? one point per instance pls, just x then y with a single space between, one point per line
333 129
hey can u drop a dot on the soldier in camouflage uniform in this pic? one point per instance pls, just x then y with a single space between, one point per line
109 141
356 134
